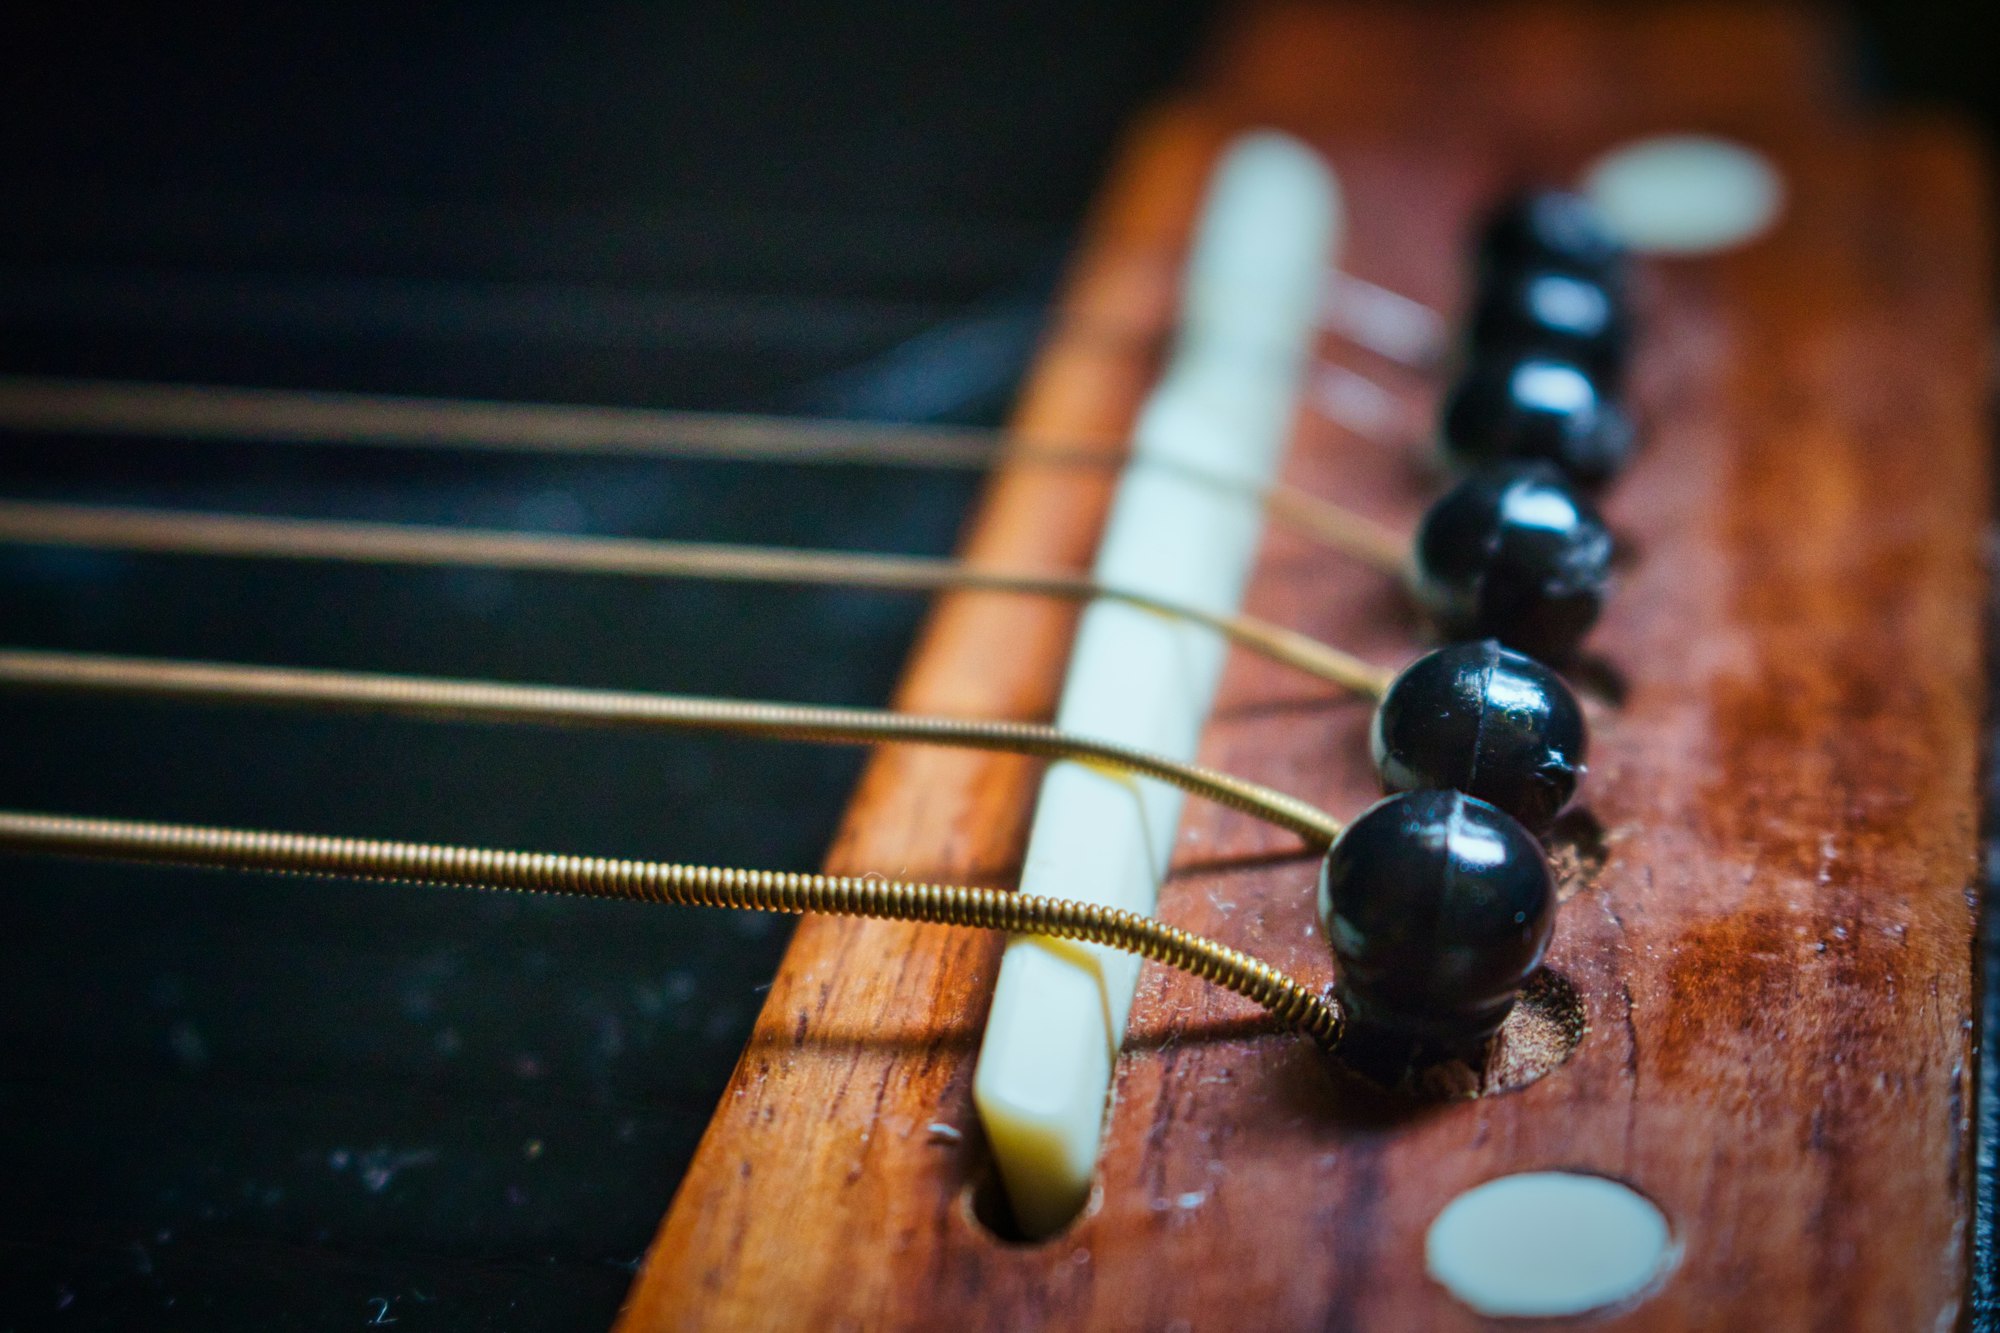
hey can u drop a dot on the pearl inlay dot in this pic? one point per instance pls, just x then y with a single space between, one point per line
1548 1243
1685 194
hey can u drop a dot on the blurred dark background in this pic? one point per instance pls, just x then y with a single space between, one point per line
232 1103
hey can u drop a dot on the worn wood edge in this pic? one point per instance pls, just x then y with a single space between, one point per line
1953 167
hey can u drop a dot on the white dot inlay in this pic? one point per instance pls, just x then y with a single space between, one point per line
1685 194
1548 1243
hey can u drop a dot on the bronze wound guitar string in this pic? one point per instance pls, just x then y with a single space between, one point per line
575 706
1289 1001
194 411
183 532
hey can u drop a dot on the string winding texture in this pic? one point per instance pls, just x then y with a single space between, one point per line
1288 1000
560 705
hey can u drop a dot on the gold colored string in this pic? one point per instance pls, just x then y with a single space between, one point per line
196 411
700 886
214 412
191 533
553 705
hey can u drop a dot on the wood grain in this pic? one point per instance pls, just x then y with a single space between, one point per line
1776 951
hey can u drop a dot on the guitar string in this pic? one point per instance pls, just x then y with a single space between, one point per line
1394 326
139 409
186 532
198 411
1287 999
446 699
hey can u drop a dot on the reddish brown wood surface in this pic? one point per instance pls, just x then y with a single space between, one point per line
1775 953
